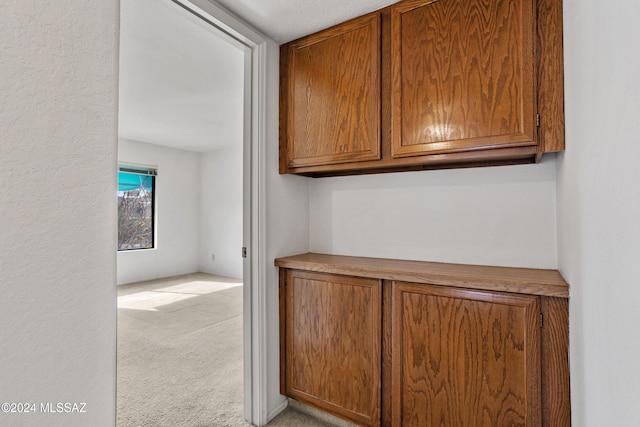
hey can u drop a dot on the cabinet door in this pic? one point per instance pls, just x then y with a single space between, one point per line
464 358
332 343
463 75
333 95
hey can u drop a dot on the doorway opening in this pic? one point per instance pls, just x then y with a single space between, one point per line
178 144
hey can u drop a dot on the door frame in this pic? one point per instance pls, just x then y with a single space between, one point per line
254 215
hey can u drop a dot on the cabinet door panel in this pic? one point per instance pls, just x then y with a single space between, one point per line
465 358
334 95
463 75
333 339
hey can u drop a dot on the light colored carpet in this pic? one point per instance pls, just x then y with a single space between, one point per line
180 352
180 355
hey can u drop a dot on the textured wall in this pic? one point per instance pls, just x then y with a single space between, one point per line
286 200
496 216
177 214
58 103
599 210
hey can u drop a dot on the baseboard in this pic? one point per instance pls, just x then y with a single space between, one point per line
320 415
276 411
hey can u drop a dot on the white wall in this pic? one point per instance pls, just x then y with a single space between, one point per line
495 216
221 211
599 209
286 202
58 105
177 214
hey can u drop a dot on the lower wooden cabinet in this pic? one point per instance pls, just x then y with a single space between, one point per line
332 351
464 358
407 343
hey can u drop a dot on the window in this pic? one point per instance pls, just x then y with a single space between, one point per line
136 207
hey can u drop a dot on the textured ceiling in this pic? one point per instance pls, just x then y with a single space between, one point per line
286 20
181 85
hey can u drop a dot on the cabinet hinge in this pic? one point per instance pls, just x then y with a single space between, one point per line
541 319
244 252
537 120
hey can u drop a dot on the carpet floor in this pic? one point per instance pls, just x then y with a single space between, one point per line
180 355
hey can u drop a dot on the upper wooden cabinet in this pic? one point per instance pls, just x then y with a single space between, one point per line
333 95
463 75
425 84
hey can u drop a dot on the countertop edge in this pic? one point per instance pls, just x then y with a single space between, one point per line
531 281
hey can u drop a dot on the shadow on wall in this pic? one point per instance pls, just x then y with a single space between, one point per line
502 215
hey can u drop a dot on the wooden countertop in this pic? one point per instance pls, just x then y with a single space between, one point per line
529 281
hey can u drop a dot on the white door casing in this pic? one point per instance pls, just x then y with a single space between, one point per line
254 170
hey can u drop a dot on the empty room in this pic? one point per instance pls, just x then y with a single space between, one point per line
180 220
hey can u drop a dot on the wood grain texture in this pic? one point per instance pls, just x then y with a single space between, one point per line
551 380
496 89
463 75
465 358
333 340
283 117
333 95
387 355
556 393
282 294
494 157
506 279
550 75
385 88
